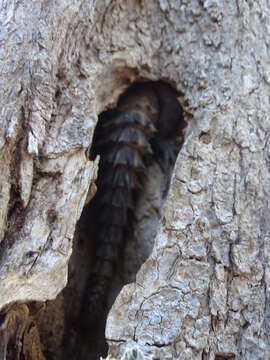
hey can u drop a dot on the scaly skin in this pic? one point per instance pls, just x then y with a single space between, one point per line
145 127
122 140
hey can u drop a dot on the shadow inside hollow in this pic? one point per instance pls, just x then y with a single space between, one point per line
138 143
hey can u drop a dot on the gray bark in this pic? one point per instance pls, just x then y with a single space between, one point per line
204 291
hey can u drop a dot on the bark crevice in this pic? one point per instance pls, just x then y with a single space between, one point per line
63 62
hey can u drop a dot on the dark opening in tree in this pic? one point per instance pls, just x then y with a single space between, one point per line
137 141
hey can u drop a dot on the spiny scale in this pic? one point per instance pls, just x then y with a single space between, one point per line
122 139
145 126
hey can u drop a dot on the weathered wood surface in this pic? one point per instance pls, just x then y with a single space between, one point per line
204 292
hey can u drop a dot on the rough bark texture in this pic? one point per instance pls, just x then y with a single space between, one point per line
204 291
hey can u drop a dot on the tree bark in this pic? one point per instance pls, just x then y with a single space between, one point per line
204 291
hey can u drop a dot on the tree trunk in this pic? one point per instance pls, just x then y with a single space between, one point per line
203 293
